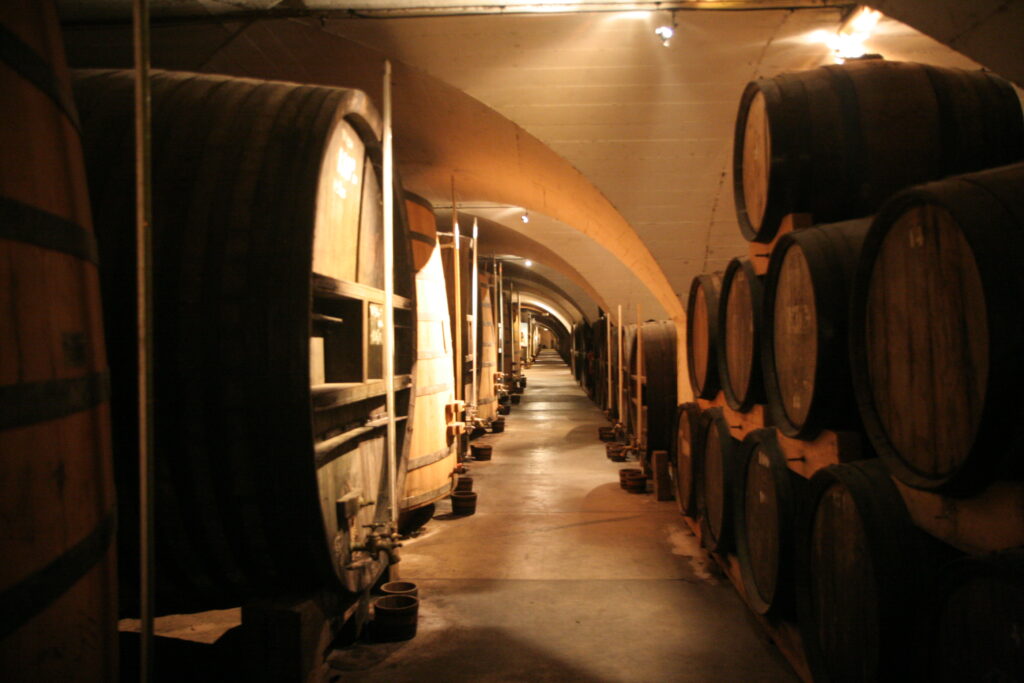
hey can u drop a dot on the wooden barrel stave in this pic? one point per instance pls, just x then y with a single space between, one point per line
768 495
864 145
804 347
702 343
682 459
949 305
58 577
739 331
717 469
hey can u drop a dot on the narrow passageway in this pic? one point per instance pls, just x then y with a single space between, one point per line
561 575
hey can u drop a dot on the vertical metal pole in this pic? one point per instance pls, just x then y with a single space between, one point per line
475 285
389 295
144 332
519 329
608 356
639 381
460 360
621 415
501 318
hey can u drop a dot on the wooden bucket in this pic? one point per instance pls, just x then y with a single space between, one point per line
837 141
702 344
432 450
739 334
687 443
658 385
806 363
718 467
768 496
937 332
58 620
269 392
865 575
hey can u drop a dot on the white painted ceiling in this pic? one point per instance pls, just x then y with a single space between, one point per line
650 126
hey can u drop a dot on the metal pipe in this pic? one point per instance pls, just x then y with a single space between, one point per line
144 333
639 382
460 389
519 329
501 318
608 356
389 296
621 415
475 285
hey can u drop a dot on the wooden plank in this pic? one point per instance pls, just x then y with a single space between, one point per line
829 448
328 286
760 253
663 489
990 521
740 423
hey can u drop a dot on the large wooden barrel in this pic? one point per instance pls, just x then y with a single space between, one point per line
717 467
487 401
628 339
768 495
702 344
804 351
58 615
268 316
432 450
681 458
459 288
864 576
937 330
980 619
835 142
658 384
739 334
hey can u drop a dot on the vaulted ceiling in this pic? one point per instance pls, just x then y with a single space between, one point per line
646 129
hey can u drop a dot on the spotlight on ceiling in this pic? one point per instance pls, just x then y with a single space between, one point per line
666 31
525 217
848 42
528 263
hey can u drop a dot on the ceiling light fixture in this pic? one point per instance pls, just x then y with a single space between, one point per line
525 217
528 263
666 31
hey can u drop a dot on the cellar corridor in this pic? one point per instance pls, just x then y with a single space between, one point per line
561 574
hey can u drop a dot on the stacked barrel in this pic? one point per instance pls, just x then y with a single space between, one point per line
871 304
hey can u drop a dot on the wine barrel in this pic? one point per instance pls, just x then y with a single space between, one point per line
268 294
978 626
739 334
937 328
432 450
58 620
835 142
717 467
768 495
458 254
658 384
804 348
628 420
864 576
702 343
682 460
487 401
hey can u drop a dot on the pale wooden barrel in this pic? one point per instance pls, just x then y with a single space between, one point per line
58 618
487 402
432 451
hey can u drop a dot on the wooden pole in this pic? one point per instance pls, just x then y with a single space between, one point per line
389 297
639 382
475 285
460 389
622 414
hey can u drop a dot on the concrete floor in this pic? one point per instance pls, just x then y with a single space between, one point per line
561 575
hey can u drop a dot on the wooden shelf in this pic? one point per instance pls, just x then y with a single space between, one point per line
342 393
329 286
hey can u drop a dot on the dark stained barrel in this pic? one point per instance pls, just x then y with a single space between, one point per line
718 468
268 310
865 576
937 332
739 335
806 363
658 396
768 496
58 612
980 619
835 142
702 344
682 460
